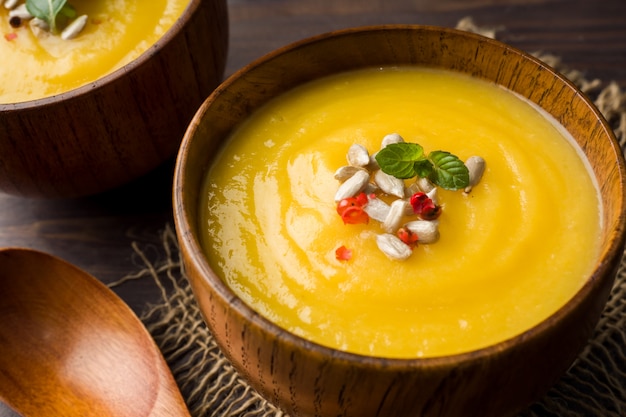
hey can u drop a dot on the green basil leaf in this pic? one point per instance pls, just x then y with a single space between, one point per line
68 11
398 159
449 172
423 168
46 10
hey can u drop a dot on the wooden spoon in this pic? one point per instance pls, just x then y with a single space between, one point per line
69 346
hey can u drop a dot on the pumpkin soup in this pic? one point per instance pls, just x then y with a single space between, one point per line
115 33
508 254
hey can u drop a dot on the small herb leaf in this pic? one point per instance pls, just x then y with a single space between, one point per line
68 11
423 168
46 10
398 159
406 160
449 172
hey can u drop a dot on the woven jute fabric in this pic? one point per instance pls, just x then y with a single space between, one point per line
595 385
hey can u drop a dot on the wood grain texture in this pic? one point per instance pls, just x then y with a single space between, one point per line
70 347
97 232
122 126
305 379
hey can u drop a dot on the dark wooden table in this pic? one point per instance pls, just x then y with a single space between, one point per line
96 233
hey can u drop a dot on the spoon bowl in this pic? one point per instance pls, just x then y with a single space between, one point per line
70 346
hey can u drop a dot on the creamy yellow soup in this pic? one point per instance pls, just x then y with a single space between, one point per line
117 31
510 253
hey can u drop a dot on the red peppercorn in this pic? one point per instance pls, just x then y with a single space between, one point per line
343 254
407 236
430 212
345 204
424 207
351 210
355 215
361 199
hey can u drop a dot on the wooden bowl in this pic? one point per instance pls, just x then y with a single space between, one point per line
304 378
123 125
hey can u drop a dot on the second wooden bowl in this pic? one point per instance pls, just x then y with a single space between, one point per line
122 126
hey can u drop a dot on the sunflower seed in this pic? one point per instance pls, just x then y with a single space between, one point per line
393 247
427 231
391 138
389 184
346 172
74 28
10 4
394 217
358 155
39 26
377 209
353 185
408 208
371 188
411 189
476 167
432 194
373 165
425 185
21 11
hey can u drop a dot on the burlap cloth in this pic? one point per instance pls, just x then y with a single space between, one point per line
595 385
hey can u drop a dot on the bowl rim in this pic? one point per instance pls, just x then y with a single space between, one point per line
110 77
190 243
